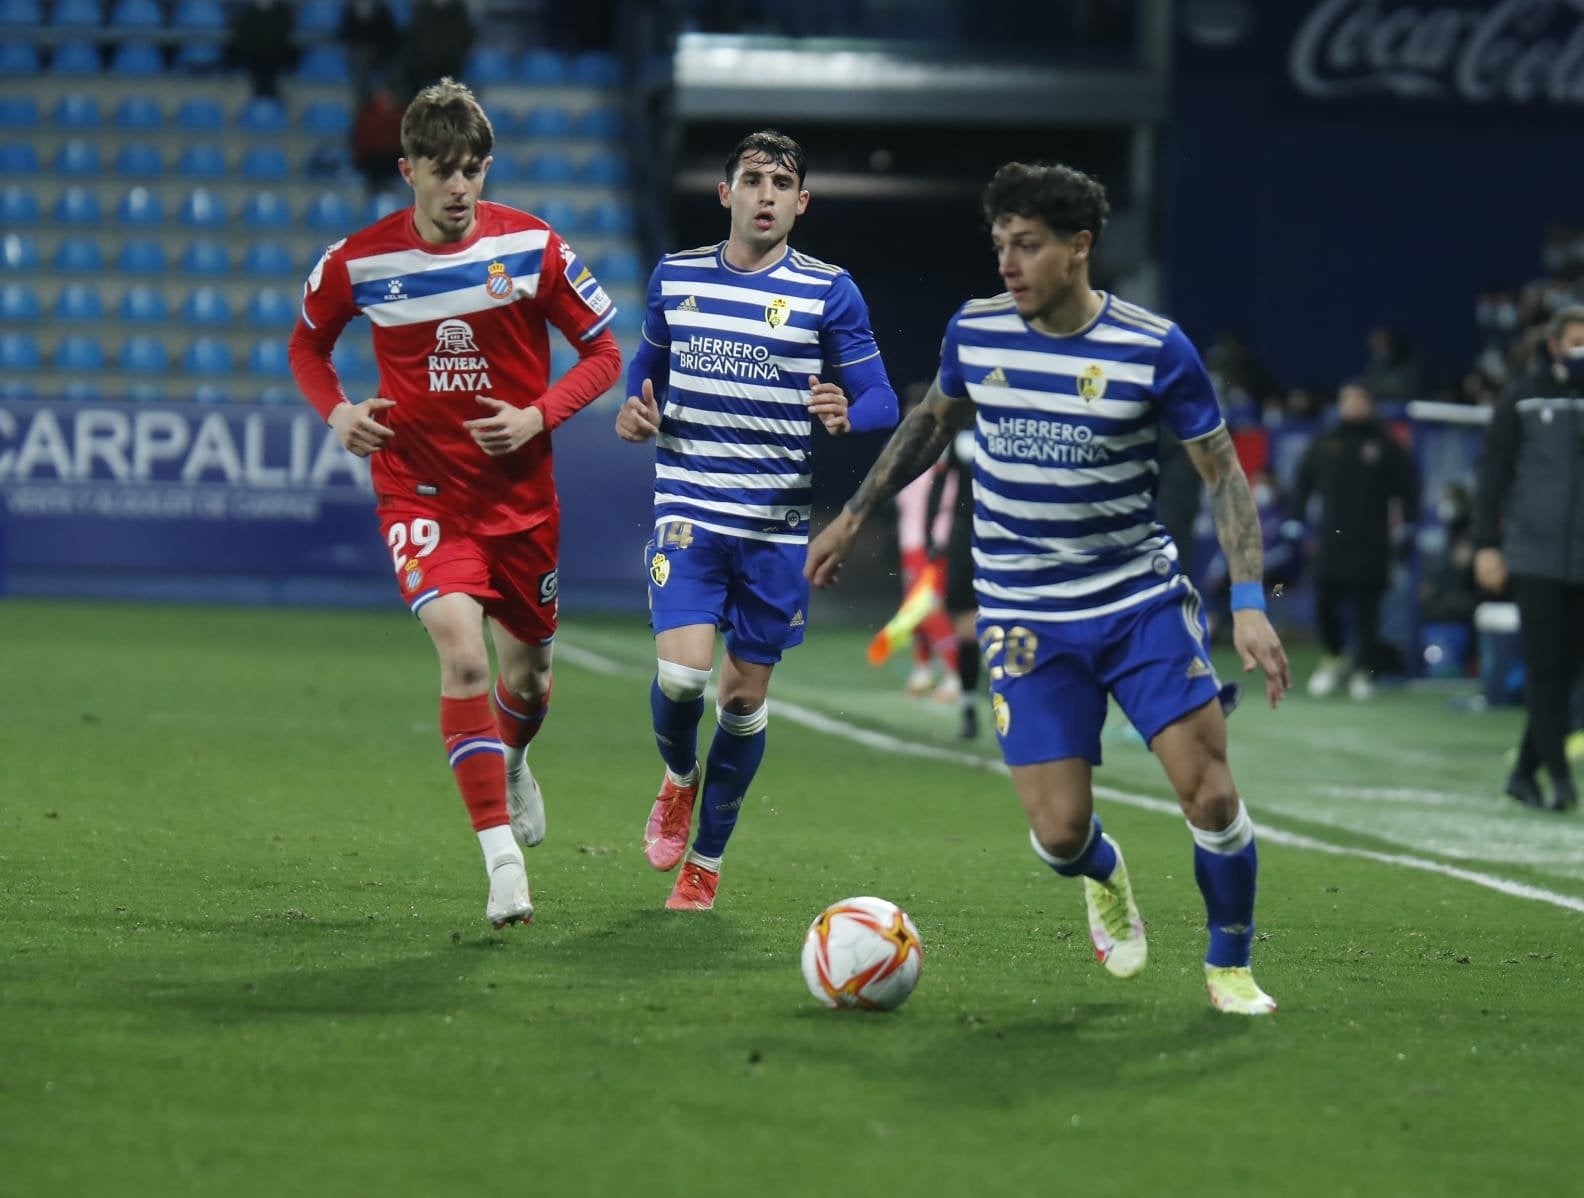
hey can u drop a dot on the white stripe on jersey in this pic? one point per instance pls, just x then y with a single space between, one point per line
1125 505
1050 545
461 302
757 424
758 481
1109 334
780 538
1051 401
792 276
991 612
726 507
412 262
1068 551
1074 588
762 392
742 295
1053 363
725 449
1016 472
1001 322
712 323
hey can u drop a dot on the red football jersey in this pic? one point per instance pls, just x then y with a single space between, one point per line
450 323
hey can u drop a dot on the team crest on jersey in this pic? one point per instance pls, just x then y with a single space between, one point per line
776 312
454 337
412 574
659 569
1091 383
499 285
1002 710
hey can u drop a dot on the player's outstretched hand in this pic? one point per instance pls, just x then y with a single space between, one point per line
357 425
639 418
829 402
506 429
827 551
1258 645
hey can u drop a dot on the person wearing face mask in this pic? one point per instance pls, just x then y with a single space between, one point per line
1358 472
1529 533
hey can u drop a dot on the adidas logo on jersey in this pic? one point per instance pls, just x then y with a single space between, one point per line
688 305
797 619
996 378
1198 669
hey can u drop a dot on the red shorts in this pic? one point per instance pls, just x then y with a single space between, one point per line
513 576
913 563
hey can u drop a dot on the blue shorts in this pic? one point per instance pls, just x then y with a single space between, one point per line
1049 680
753 591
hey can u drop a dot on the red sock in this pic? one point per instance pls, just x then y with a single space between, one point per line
476 758
937 630
515 720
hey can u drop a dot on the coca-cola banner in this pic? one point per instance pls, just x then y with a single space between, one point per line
1336 165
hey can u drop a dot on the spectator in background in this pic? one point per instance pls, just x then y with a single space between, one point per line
1529 531
438 41
373 45
260 43
376 141
1391 371
1358 472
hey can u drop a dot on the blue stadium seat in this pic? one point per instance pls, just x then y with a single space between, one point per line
606 168
544 68
552 167
329 211
18 206
329 118
143 303
20 14
262 115
268 358
618 266
18 112
323 62
75 58
280 396
547 120
76 14
211 392
197 57
76 110
137 59
199 16
136 16
267 259
507 168
265 163
202 161
19 302
202 209
318 18
596 68
603 123
137 113
18 158
145 392
351 363
79 301
609 216
383 203
206 305
206 257
270 307
144 355
559 215
140 206
15 388
18 58
208 355
78 206
82 391
79 351
487 66
138 158
141 256
77 156
81 255
200 113
18 251
19 351
265 210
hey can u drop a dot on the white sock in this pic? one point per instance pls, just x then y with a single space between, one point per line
497 842
516 757
710 863
686 779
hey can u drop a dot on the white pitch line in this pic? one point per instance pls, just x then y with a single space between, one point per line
817 721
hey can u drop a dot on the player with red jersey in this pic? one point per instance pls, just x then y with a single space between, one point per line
460 293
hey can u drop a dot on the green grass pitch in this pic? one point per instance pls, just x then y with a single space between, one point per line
242 949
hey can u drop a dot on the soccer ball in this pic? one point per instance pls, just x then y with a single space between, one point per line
862 952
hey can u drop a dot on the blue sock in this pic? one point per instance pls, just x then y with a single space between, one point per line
734 758
1226 865
1097 859
676 728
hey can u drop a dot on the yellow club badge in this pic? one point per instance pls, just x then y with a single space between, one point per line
1091 383
1002 710
659 569
776 312
412 577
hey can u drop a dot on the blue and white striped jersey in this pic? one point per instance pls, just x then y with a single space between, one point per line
1065 454
733 452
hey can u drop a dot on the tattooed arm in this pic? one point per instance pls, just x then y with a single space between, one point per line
918 441
1238 529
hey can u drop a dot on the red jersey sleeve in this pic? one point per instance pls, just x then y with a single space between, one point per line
327 306
575 304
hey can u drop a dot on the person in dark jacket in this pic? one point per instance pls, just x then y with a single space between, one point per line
1529 532
261 42
373 44
1358 471
438 41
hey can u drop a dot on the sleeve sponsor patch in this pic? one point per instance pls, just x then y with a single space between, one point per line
584 283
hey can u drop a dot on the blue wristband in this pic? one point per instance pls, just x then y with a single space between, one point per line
1248 596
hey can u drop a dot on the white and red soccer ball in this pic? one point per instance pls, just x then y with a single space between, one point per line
862 952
